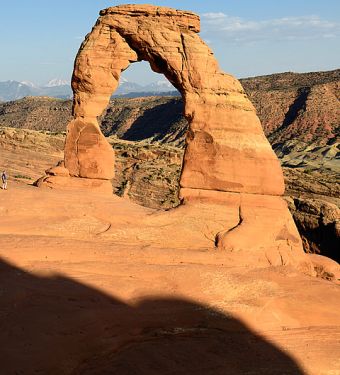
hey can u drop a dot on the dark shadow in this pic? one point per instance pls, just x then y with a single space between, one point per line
322 239
298 105
158 122
158 118
59 326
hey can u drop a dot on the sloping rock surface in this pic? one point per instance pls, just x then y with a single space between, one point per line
227 159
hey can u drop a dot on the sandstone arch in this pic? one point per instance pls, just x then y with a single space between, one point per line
227 158
227 150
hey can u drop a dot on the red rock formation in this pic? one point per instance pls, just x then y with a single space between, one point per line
297 106
226 151
224 129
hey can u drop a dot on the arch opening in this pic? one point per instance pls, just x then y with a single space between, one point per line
147 132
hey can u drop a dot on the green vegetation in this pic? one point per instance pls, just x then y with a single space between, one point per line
22 177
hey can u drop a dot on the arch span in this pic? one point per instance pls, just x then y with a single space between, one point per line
226 147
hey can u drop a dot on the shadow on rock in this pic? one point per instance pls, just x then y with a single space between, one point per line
55 325
158 122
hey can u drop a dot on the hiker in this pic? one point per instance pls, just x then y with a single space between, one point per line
4 179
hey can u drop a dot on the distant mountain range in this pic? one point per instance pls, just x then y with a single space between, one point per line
13 90
129 89
59 88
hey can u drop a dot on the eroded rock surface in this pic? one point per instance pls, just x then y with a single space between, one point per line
318 222
168 39
227 157
101 285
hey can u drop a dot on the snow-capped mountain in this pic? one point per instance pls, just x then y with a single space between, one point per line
60 88
161 85
12 90
57 82
127 88
123 80
28 83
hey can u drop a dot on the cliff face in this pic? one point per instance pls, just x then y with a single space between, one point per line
291 105
300 114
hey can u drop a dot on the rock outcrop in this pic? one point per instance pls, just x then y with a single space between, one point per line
168 40
318 222
227 158
297 106
41 113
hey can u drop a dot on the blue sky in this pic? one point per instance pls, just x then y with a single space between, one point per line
39 38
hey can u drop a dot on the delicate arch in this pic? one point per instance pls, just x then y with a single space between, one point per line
226 148
228 160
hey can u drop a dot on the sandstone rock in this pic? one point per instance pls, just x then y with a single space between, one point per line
87 152
58 171
59 177
168 40
264 232
297 106
318 183
318 223
326 268
227 151
96 186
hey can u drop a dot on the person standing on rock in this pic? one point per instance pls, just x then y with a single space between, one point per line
4 179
